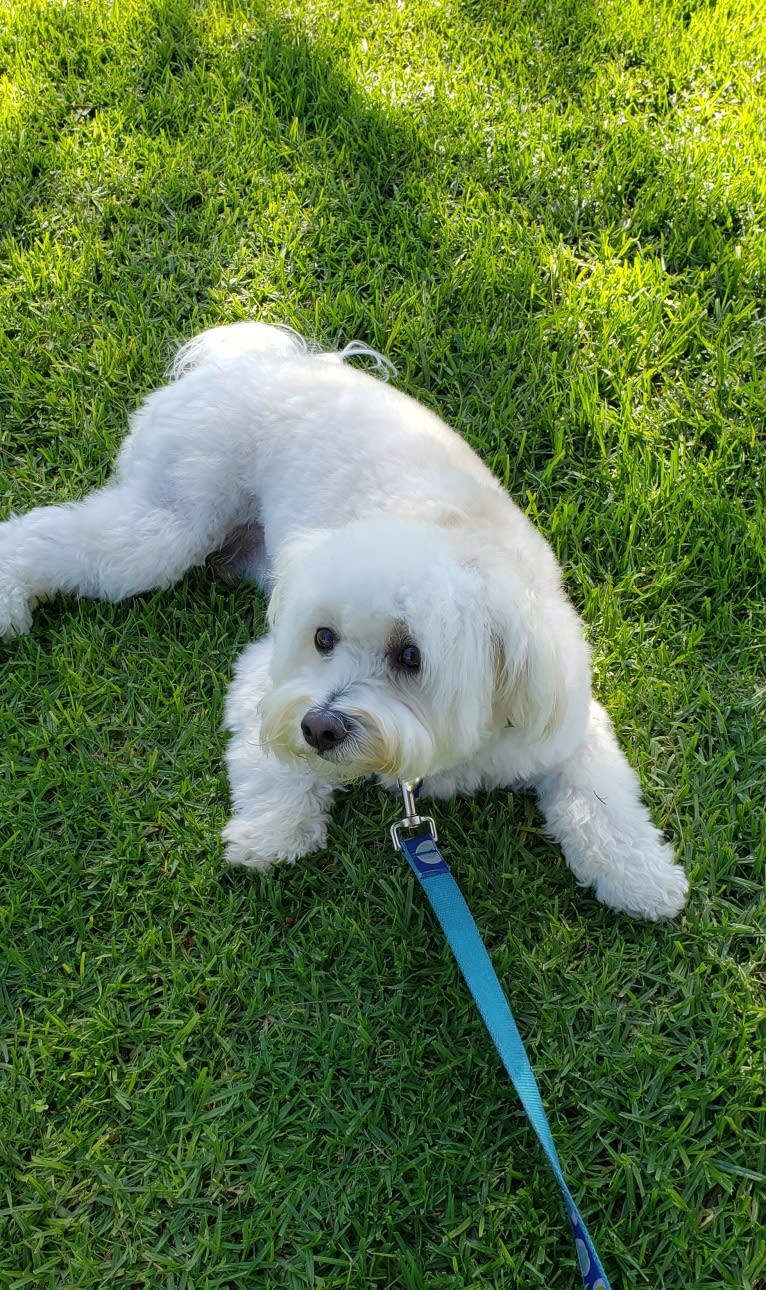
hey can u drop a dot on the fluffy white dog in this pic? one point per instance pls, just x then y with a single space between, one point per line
418 622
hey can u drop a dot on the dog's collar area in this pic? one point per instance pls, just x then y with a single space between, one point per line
410 789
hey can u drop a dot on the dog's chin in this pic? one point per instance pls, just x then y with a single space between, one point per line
337 767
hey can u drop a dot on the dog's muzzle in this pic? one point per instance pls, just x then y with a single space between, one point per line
324 730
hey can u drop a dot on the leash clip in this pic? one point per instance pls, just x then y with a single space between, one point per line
411 819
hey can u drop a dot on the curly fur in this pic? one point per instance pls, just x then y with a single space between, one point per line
356 510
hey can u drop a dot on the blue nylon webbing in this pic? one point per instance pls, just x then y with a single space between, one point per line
462 934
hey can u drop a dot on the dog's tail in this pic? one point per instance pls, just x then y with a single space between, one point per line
220 344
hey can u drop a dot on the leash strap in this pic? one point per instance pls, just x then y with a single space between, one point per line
462 934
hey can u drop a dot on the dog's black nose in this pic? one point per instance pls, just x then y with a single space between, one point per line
323 729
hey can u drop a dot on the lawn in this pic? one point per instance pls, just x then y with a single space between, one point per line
551 215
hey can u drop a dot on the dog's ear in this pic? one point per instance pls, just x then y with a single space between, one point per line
291 561
530 692
535 643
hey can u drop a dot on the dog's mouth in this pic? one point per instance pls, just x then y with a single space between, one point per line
344 744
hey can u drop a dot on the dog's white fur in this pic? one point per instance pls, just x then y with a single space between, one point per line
358 511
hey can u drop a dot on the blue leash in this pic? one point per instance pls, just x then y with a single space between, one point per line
462 934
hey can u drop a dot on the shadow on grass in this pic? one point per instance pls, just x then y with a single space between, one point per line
616 94
183 122
351 198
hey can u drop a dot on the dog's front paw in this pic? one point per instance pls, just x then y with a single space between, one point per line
653 886
255 845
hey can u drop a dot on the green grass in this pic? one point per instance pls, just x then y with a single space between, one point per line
552 216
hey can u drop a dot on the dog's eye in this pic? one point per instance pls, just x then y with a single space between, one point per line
408 658
325 639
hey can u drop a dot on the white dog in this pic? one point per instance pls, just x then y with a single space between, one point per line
418 623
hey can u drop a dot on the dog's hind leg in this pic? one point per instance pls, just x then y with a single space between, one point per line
280 810
593 808
176 496
114 543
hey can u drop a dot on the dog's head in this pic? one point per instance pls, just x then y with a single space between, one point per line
402 649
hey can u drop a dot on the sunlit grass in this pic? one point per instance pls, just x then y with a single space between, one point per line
552 216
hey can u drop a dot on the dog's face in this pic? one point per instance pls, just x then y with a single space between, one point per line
400 650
